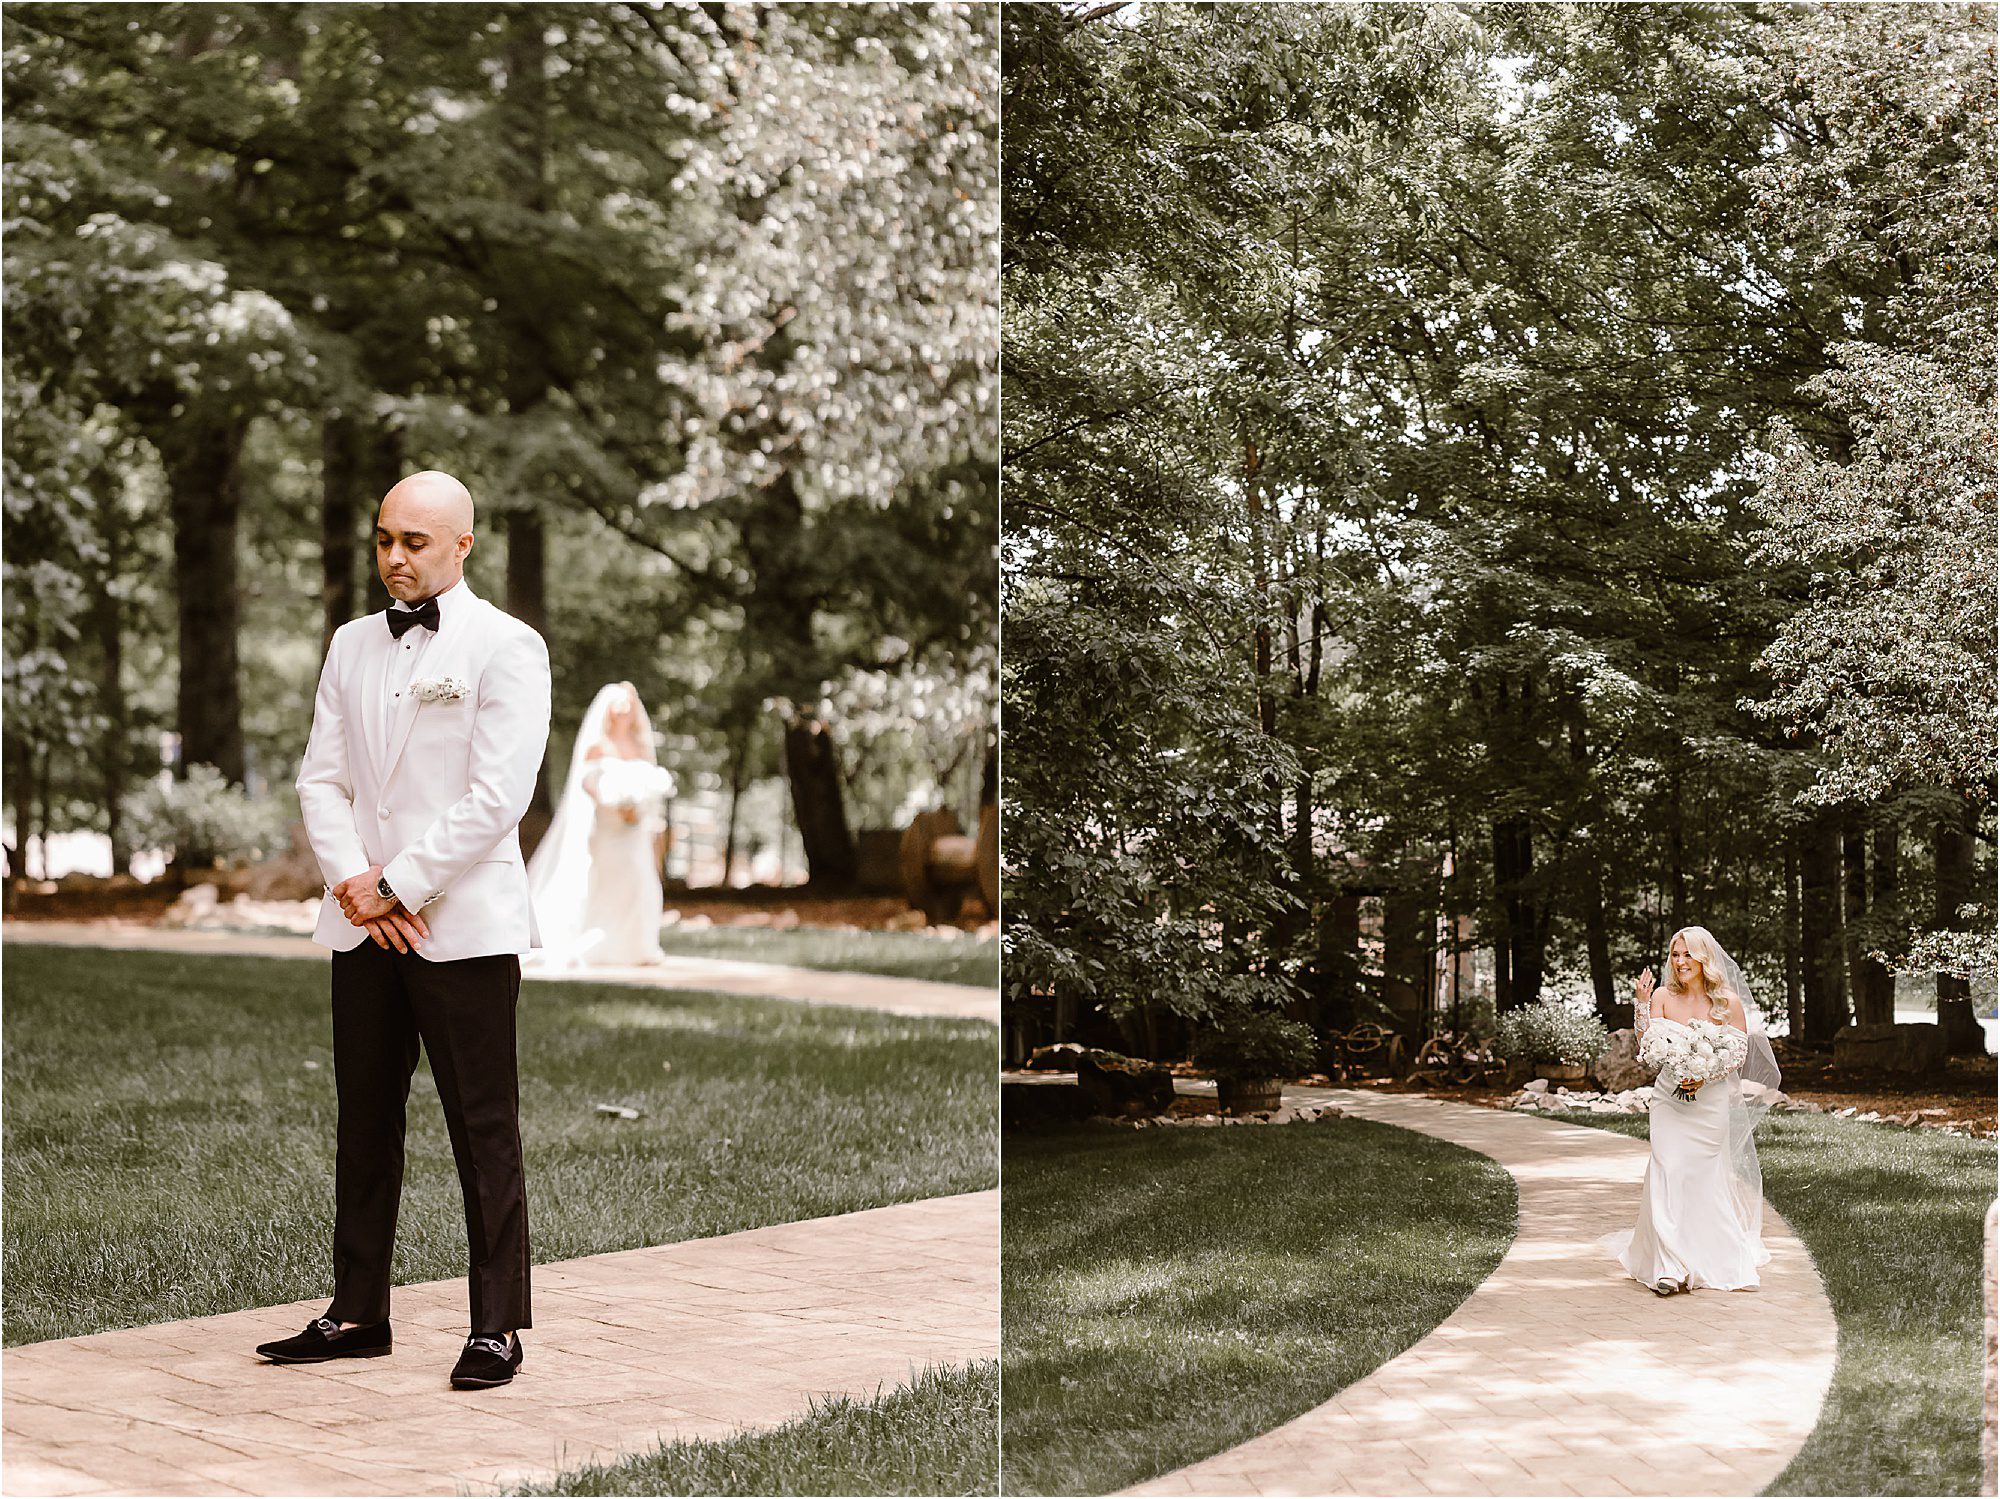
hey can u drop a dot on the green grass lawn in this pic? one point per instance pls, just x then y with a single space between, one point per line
932 1436
169 1129
1892 1218
1169 1293
903 955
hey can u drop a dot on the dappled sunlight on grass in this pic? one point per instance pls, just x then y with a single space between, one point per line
913 955
1170 1293
641 1016
934 1435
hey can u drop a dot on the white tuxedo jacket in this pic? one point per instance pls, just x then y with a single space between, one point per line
439 808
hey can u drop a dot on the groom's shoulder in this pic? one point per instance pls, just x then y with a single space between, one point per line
345 635
518 639
508 626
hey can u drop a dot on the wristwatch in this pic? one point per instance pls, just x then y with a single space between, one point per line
382 888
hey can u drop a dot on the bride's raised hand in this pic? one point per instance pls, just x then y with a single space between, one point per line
1644 988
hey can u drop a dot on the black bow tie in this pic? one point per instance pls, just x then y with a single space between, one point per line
425 614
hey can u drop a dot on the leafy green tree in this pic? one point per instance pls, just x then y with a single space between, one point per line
293 251
1420 358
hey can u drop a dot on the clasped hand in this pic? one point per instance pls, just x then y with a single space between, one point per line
389 922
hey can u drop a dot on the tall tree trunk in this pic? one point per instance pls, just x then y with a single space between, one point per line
203 457
45 755
1597 946
739 756
1677 888
1338 961
17 769
340 505
1953 853
527 601
528 568
1404 990
778 615
1876 1003
1260 571
1795 1016
360 462
1861 982
114 752
1819 930
1522 920
813 765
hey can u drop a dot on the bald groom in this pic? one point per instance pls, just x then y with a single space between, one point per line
427 738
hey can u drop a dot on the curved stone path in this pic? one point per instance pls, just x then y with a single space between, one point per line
693 1340
867 991
1559 1375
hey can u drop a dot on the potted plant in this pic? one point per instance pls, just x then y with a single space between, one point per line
1559 1041
1250 1053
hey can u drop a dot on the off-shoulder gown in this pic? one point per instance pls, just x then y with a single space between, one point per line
1691 1226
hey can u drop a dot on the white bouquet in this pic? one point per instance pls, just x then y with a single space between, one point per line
636 784
1696 1051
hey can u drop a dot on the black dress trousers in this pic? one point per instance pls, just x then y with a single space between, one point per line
384 1004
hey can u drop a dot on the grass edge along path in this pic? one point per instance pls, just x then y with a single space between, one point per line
968 960
169 1129
1167 1294
1894 1220
937 1434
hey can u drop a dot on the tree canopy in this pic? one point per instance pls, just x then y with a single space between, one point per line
1527 470
698 300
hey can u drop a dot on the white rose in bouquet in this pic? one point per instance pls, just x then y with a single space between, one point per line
1698 1051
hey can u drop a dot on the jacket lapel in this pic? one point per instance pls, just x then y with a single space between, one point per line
374 676
445 658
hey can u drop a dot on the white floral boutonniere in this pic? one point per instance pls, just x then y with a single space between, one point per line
439 690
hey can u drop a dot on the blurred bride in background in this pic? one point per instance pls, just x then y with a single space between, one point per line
595 876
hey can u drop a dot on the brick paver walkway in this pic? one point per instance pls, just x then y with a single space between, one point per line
728 976
699 1340
1559 1375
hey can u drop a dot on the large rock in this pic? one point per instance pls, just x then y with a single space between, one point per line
1061 1057
1617 1067
1891 1048
1118 1085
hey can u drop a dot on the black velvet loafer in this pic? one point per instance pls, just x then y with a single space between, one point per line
486 1362
325 1340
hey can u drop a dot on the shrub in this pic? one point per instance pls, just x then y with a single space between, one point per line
1250 1045
1551 1031
204 820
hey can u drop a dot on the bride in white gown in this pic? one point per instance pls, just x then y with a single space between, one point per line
595 876
1701 1215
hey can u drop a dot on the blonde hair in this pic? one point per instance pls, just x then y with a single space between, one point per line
1705 950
